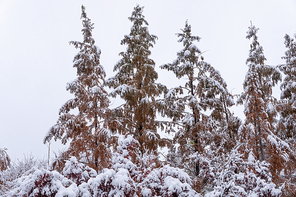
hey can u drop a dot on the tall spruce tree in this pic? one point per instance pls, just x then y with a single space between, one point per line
257 94
86 131
258 133
286 126
135 83
199 107
287 108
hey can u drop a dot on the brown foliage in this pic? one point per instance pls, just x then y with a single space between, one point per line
4 159
135 83
86 131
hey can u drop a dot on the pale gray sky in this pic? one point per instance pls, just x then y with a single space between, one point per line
36 60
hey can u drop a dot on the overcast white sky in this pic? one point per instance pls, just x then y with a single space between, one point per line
36 60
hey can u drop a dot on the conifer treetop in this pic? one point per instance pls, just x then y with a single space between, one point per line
135 60
266 76
88 26
256 55
89 56
291 52
186 36
187 58
137 16
288 87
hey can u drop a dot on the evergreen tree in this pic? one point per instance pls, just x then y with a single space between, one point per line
286 127
189 106
257 133
257 94
287 107
86 131
135 83
267 76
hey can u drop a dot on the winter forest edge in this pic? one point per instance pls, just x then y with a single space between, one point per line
211 152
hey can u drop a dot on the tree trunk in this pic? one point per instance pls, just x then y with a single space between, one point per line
195 122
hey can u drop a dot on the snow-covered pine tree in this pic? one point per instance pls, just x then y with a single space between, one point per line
257 90
135 83
86 130
257 133
200 108
268 76
288 105
286 128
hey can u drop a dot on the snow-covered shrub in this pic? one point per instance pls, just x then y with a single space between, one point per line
123 156
167 181
42 182
119 180
243 177
18 169
125 178
78 172
110 183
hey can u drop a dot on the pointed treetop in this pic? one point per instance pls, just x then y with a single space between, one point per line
256 55
290 44
186 36
137 16
88 26
252 32
83 14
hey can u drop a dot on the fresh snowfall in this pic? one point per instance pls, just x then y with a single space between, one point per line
121 151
